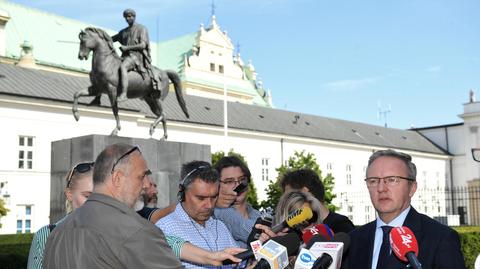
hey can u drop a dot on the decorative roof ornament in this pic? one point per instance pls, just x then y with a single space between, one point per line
26 56
472 96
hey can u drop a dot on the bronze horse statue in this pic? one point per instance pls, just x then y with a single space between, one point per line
104 77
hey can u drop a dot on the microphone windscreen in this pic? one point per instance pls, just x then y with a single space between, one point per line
299 216
291 241
321 229
344 238
403 241
316 238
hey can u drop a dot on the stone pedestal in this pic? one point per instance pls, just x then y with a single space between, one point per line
164 160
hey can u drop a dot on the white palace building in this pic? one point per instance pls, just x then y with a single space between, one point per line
39 75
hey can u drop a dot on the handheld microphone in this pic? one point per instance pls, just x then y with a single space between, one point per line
405 246
255 233
330 253
306 258
319 229
294 218
274 253
291 241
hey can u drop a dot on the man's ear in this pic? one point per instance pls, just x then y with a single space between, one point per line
305 189
117 178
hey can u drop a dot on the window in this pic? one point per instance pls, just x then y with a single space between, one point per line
348 168
349 179
27 226
19 226
329 166
25 152
24 218
265 169
212 67
220 69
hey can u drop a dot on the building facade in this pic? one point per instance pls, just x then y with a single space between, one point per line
36 102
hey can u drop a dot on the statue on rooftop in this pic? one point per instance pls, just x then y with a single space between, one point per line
109 74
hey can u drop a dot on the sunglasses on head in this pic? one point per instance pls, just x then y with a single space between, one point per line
123 156
79 168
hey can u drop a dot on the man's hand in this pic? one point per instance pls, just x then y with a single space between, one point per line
226 198
123 48
216 258
267 232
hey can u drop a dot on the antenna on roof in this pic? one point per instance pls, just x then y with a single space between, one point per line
383 113
213 8
238 47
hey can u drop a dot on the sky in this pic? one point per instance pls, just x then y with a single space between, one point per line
414 60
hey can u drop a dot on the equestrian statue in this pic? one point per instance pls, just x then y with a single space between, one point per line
112 74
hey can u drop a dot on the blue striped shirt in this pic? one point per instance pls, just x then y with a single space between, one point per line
239 227
214 236
35 256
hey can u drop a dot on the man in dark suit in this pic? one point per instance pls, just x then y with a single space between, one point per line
391 182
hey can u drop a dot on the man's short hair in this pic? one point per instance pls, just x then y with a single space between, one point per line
198 169
300 178
106 159
129 11
232 161
407 159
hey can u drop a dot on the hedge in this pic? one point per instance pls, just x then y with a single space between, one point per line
14 248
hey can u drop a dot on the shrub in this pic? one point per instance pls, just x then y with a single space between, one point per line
14 250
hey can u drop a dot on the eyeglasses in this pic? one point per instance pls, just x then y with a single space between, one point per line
123 156
79 168
389 181
201 167
231 181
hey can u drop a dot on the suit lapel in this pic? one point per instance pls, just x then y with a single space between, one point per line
366 249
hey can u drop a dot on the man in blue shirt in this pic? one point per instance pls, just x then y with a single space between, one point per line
192 218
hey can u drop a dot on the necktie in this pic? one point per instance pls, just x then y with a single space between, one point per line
384 255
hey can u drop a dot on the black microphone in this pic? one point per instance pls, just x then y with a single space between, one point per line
291 241
255 233
331 252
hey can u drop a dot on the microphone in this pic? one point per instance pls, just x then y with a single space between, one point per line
405 246
319 229
291 241
275 252
330 253
255 233
306 258
294 218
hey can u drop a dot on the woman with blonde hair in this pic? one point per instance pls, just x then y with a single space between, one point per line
78 189
293 200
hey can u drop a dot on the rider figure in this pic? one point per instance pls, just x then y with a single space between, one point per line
135 53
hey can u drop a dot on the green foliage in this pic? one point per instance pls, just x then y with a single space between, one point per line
252 198
470 242
14 250
3 210
299 160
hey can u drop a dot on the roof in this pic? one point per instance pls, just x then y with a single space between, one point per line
61 47
20 81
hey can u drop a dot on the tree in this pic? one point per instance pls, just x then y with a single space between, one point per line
252 198
3 210
299 160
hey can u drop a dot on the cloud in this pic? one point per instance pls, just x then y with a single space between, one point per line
434 69
349 84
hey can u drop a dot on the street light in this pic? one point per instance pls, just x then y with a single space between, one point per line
476 154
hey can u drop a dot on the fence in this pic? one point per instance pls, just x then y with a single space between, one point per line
455 206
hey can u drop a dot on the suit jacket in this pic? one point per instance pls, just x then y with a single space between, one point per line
438 245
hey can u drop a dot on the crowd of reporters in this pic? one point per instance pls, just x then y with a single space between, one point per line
113 220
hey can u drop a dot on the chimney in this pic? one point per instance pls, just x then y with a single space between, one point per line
4 17
26 56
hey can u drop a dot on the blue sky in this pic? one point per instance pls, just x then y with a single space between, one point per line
336 59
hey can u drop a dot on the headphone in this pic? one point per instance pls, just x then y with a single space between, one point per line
184 183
